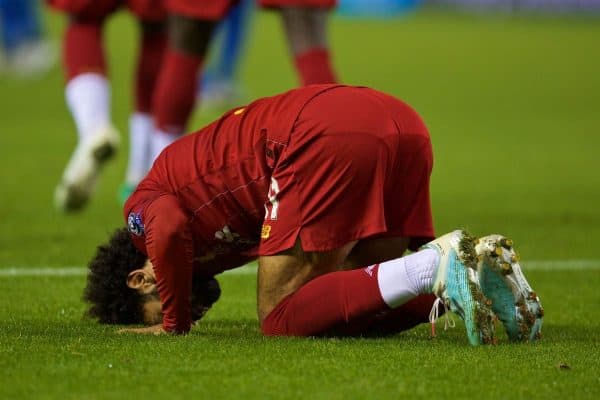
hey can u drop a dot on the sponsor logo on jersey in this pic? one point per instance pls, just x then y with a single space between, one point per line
135 224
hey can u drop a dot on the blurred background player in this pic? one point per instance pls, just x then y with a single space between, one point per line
190 28
24 50
305 26
87 91
219 87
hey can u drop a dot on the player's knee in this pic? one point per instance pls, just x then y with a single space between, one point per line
274 323
267 327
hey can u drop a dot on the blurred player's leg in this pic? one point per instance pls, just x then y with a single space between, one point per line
88 97
220 89
141 123
175 94
236 26
306 31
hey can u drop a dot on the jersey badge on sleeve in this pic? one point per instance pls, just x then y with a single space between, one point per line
135 224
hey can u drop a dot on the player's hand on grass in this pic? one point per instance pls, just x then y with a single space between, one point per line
149 330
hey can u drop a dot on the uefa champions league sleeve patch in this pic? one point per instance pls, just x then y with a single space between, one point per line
135 224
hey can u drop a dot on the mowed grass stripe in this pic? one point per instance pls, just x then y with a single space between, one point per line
535 265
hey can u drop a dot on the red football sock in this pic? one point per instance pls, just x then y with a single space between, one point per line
314 66
176 91
344 303
152 48
83 50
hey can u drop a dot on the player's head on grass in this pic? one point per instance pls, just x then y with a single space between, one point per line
121 286
111 300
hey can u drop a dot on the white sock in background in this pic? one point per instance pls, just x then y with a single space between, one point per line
405 278
160 140
141 131
88 98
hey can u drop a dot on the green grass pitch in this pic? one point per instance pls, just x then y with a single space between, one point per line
513 105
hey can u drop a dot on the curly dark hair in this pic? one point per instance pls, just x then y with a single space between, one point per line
111 300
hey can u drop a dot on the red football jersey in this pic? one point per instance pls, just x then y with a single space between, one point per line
326 164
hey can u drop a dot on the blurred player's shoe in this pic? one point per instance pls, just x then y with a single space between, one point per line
503 282
30 59
80 175
219 95
457 285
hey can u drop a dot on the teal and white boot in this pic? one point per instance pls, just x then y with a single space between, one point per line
457 285
503 282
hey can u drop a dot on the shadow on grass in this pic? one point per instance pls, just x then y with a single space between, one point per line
552 333
247 328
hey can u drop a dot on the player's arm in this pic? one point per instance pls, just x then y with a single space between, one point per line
170 249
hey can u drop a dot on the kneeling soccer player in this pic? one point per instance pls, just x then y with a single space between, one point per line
328 186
